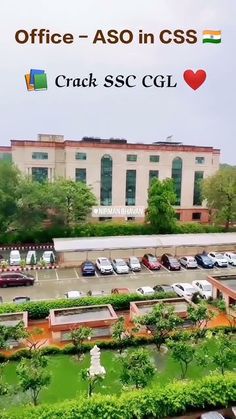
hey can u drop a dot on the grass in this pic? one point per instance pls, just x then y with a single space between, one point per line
67 383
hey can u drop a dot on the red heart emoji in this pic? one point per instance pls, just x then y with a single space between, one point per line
195 80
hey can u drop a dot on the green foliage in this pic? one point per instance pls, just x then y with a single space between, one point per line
137 368
118 332
183 352
161 321
220 193
9 180
40 309
200 315
161 198
91 380
78 336
33 375
158 402
11 332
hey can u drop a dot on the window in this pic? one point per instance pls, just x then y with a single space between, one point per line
40 174
177 178
106 180
196 216
5 156
130 192
154 159
199 160
39 155
131 157
80 156
153 174
80 175
197 198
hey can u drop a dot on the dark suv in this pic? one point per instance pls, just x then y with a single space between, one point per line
170 262
13 279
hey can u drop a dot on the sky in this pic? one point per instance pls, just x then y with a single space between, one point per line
205 116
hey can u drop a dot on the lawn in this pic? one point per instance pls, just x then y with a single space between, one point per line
67 383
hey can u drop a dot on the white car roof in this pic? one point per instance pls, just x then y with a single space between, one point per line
73 294
102 258
184 284
147 289
202 281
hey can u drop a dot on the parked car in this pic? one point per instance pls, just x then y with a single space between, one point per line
48 257
74 294
163 288
218 259
231 258
170 262
31 257
21 300
120 266
184 289
8 279
151 262
97 293
204 261
189 262
120 291
15 258
211 415
145 291
134 264
203 287
104 266
88 268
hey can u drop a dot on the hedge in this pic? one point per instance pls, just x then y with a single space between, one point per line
40 309
173 399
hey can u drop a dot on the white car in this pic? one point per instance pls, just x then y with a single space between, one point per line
134 264
74 294
48 257
120 266
189 262
203 287
184 289
218 259
145 291
104 266
231 258
31 257
15 258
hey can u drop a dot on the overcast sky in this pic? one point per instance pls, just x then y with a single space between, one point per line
203 117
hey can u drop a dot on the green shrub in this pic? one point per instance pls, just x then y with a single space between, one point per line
157 402
40 309
21 353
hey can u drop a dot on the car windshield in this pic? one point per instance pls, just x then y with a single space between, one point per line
233 256
191 259
206 258
134 260
105 262
120 263
152 258
219 256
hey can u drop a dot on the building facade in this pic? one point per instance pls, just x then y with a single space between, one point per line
120 172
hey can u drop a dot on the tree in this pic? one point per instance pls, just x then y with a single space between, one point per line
160 212
78 336
119 332
199 315
4 387
91 380
11 332
221 351
69 202
33 338
182 351
220 192
33 375
9 180
230 313
137 368
161 321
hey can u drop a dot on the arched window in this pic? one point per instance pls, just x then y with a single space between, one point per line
106 180
176 175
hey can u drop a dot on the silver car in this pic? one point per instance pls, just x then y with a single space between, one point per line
120 266
189 262
134 264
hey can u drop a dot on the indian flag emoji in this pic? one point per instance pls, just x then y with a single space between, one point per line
211 37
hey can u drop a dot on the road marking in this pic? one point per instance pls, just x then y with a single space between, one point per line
115 273
165 269
76 273
149 270
96 274
36 276
58 279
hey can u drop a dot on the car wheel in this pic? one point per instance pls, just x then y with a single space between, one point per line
169 268
217 264
4 286
28 283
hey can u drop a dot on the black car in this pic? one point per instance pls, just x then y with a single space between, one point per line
170 262
20 300
163 288
88 268
204 261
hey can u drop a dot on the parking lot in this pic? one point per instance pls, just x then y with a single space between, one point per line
55 283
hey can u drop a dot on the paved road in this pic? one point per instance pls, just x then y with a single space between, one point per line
54 284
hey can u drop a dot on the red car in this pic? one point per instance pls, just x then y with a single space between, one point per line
14 279
151 262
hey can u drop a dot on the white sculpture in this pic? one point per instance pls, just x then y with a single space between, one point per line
96 368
